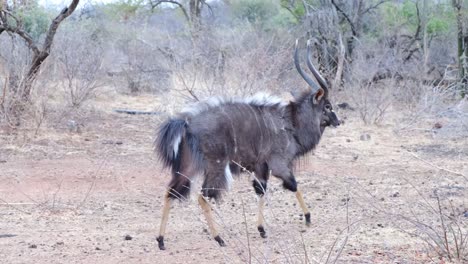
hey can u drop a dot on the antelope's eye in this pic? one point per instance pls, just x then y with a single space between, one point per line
328 107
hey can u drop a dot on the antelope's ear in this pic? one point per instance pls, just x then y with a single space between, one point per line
318 95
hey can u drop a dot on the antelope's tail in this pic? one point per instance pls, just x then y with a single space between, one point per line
179 150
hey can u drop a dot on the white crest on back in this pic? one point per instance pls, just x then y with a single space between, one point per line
264 99
258 99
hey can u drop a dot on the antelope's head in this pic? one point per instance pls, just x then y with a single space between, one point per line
318 96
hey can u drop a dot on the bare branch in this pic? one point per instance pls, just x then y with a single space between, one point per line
370 8
16 29
208 5
5 87
416 36
341 59
353 29
154 5
438 167
289 9
44 53
24 35
6 12
66 12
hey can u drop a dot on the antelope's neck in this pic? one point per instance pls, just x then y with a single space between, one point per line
307 130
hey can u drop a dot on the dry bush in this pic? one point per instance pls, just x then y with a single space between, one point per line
14 60
235 63
36 112
79 53
435 104
372 83
443 228
371 100
133 62
258 62
455 120
380 81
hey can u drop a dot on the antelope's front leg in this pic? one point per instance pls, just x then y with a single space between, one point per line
260 189
289 183
304 208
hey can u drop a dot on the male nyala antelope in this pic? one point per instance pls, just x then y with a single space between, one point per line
261 133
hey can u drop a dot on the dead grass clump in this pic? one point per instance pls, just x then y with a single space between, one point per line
443 230
438 109
372 101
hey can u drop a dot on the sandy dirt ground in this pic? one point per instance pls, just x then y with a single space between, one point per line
96 197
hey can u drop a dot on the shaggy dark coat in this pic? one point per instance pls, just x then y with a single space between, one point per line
262 136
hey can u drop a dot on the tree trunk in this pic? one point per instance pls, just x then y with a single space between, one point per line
341 59
462 49
424 20
21 89
464 77
195 7
457 6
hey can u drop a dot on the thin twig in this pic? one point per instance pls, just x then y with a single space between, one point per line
18 203
246 231
14 207
93 183
305 250
438 167
54 196
444 228
4 91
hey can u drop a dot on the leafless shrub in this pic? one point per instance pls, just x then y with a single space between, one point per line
456 121
372 82
371 100
435 103
14 60
134 63
141 72
80 55
444 232
257 62
237 62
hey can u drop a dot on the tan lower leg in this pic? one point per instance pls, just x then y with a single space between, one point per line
165 215
304 208
207 212
261 204
261 219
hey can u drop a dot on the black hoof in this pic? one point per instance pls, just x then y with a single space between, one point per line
160 240
307 217
220 241
262 232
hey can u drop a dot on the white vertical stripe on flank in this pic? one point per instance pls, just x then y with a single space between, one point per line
228 175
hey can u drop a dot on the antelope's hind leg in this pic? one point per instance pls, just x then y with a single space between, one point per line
165 216
206 207
179 188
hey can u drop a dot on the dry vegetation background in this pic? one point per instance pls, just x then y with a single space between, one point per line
79 182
